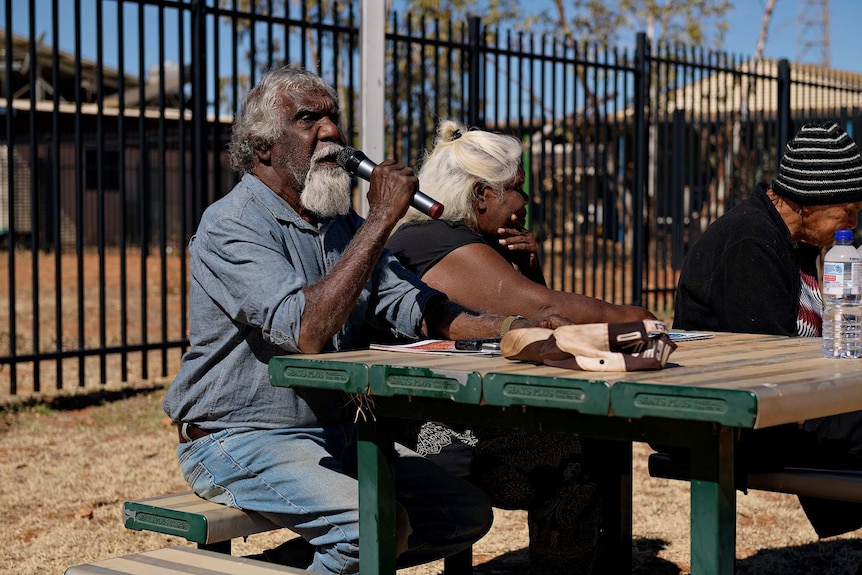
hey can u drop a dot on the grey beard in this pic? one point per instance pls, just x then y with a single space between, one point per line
326 192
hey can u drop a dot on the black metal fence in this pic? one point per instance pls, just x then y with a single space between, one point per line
116 114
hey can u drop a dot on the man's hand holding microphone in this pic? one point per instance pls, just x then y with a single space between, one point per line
356 163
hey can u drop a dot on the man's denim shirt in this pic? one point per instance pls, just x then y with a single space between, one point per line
251 257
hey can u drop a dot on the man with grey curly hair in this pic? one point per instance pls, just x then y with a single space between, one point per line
282 265
259 126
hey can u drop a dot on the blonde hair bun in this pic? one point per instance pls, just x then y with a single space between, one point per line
449 130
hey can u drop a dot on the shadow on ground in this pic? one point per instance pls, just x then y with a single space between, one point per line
72 401
505 564
830 557
644 557
834 557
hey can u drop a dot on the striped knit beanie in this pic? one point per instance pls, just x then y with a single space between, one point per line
821 166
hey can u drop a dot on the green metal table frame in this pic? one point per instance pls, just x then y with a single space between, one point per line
703 420
713 496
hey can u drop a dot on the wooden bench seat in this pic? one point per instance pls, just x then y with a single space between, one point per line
210 525
213 525
843 485
179 560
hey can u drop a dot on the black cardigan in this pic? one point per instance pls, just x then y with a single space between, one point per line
742 274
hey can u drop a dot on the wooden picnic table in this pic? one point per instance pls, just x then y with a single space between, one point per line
708 390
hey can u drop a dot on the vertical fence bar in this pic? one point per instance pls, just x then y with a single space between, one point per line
234 57
55 195
395 126
616 143
547 184
161 191
784 112
35 204
100 193
640 159
676 187
438 64
270 62
570 165
451 69
490 91
183 185
319 35
143 203
608 190
10 191
403 149
79 199
199 109
351 88
123 191
583 191
473 104
420 129
216 128
693 165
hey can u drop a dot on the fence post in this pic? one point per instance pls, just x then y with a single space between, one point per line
677 190
372 64
473 104
784 111
640 159
200 149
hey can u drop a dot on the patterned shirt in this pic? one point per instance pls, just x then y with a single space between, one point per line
810 320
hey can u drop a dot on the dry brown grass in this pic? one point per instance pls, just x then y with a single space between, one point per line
67 467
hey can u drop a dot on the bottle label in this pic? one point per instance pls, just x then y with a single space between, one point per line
841 278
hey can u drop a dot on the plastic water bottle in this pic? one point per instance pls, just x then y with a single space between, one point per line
842 286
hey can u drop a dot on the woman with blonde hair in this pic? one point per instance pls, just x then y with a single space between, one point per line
480 254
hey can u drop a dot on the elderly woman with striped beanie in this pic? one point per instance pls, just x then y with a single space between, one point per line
754 270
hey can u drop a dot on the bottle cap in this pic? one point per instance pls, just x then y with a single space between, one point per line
844 235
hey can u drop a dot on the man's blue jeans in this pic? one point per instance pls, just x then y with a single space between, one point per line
304 479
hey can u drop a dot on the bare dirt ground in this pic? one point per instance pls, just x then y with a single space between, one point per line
66 467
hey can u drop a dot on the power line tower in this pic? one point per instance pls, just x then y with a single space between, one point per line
812 31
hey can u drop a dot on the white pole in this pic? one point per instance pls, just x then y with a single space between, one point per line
372 35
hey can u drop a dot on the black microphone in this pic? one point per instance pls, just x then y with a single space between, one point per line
357 163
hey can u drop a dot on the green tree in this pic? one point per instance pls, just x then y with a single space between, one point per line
696 22
606 22
493 12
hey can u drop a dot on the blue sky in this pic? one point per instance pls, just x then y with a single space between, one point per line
744 26
845 37
746 16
